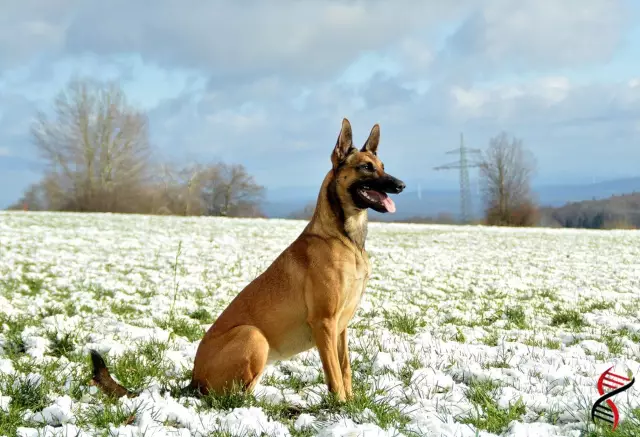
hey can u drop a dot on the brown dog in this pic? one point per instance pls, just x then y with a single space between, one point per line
310 292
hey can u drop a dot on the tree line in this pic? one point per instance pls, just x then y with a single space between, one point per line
615 212
98 158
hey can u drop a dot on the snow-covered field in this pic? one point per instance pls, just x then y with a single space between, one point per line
464 331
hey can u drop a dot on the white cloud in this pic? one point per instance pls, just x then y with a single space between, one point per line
315 38
469 99
243 122
515 101
503 35
31 27
416 55
553 89
308 39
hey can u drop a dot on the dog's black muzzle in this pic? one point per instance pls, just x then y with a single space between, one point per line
389 184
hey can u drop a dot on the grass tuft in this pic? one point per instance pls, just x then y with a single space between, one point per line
402 322
201 315
489 415
516 317
567 317
182 327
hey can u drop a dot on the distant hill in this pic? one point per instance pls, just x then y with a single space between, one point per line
560 194
619 211
283 202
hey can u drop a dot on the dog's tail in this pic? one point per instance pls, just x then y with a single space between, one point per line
103 380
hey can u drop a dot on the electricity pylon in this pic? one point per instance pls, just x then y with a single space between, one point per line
463 165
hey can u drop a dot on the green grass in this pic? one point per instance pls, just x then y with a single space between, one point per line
11 328
27 394
596 305
489 416
406 372
402 322
552 344
548 295
567 317
104 414
134 369
633 336
10 421
455 320
295 382
235 397
497 364
614 343
182 327
490 339
459 335
34 285
124 309
201 315
516 317
546 343
62 345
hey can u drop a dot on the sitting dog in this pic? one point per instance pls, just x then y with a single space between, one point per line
310 292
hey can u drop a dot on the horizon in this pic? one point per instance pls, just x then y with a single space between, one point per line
562 77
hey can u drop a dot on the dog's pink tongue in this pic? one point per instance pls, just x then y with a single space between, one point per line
384 199
388 203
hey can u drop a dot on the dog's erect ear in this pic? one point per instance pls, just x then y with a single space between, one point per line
372 142
344 145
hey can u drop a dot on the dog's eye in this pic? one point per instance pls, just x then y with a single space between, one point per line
367 167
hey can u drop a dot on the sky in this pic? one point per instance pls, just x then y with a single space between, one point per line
266 84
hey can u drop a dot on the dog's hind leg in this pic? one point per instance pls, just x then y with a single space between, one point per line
235 359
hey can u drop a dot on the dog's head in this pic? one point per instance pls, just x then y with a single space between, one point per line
361 181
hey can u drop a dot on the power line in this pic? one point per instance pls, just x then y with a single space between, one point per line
463 165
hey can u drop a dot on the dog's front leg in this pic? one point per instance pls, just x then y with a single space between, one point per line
325 335
345 364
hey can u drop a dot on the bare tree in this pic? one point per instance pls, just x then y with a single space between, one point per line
96 146
229 190
167 191
506 172
189 179
177 190
212 189
217 189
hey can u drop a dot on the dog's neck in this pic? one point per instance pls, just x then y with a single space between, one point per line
333 218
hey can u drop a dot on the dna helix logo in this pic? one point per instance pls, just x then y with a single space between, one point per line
604 408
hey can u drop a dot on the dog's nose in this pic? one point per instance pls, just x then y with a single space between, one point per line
400 186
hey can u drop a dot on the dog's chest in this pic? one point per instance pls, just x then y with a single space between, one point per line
353 290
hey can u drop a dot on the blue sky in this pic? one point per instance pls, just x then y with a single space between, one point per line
266 84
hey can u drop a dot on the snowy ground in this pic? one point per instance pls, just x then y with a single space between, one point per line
462 332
